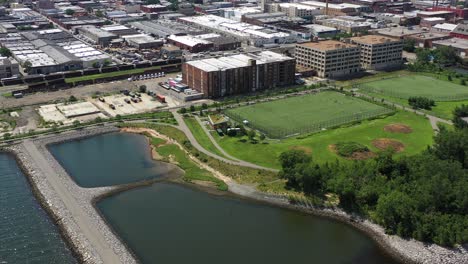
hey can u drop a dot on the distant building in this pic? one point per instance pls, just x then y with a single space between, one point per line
97 35
190 43
8 67
460 45
378 52
171 52
320 31
424 40
153 8
238 74
444 28
461 31
330 58
142 41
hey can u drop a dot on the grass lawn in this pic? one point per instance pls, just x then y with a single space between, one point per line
201 136
266 154
109 74
303 114
442 109
192 171
418 85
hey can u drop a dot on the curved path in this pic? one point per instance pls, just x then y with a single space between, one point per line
183 127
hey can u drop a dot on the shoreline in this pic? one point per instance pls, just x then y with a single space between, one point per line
407 251
404 250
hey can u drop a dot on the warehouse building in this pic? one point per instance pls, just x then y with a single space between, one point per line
238 74
97 35
329 58
378 52
8 67
296 10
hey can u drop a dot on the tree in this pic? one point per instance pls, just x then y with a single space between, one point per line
192 108
204 106
99 13
98 119
6 136
72 98
183 110
69 12
251 134
27 65
262 137
419 102
449 77
452 145
142 88
106 62
96 65
409 45
289 159
463 82
5 52
76 123
459 113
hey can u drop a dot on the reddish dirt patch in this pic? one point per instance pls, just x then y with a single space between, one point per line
358 155
385 143
398 128
306 150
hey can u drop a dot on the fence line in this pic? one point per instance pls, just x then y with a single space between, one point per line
312 127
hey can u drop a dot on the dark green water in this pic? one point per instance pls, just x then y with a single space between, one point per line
181 225
110 159
27 235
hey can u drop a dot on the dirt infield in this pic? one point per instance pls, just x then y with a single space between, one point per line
385 143
358 155
306 150
398 128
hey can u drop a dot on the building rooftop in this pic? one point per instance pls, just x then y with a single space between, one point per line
320 28
399 31
189 40
373 39
453 42
327 45
445 26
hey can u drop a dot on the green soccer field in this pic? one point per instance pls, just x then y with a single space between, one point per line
305 114
418 85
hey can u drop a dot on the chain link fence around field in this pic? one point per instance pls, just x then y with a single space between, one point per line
395 94
312 126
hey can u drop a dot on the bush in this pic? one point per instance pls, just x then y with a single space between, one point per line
419 102
72 99
142 88
346 149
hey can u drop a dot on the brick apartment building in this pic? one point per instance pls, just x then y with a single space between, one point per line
238 74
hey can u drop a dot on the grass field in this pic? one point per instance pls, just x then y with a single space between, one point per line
304 114
418 85
266 154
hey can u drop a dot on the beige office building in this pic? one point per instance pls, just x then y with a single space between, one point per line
330 58
379 52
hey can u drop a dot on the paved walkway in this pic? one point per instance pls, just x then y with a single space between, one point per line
81 217
183 127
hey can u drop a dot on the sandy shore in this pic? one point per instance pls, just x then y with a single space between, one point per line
406 250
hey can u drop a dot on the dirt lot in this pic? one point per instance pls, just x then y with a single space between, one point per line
80 92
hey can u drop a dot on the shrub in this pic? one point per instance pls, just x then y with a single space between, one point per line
346 149
421 102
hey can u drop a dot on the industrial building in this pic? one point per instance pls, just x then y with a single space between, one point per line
9 67
379 52
97 35
460 45
329 58
296 10
247 33
238 74
320 31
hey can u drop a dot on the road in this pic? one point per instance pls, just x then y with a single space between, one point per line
183 127
81 218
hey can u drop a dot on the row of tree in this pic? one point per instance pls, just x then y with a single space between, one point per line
423 196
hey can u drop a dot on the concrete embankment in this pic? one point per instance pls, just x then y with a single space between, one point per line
70 205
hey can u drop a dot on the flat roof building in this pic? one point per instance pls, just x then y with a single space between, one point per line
238 74
379 52
329 58
460 45
97 35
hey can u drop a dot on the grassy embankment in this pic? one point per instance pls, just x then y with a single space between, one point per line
266 153
240 174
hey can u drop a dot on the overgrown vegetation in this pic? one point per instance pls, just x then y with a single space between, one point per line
422 196
346 149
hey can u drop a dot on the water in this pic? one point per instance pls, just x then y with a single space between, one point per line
182 225
27 235
168 223
109 159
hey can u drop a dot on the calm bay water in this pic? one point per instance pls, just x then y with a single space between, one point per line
109 159
27 234
168 223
